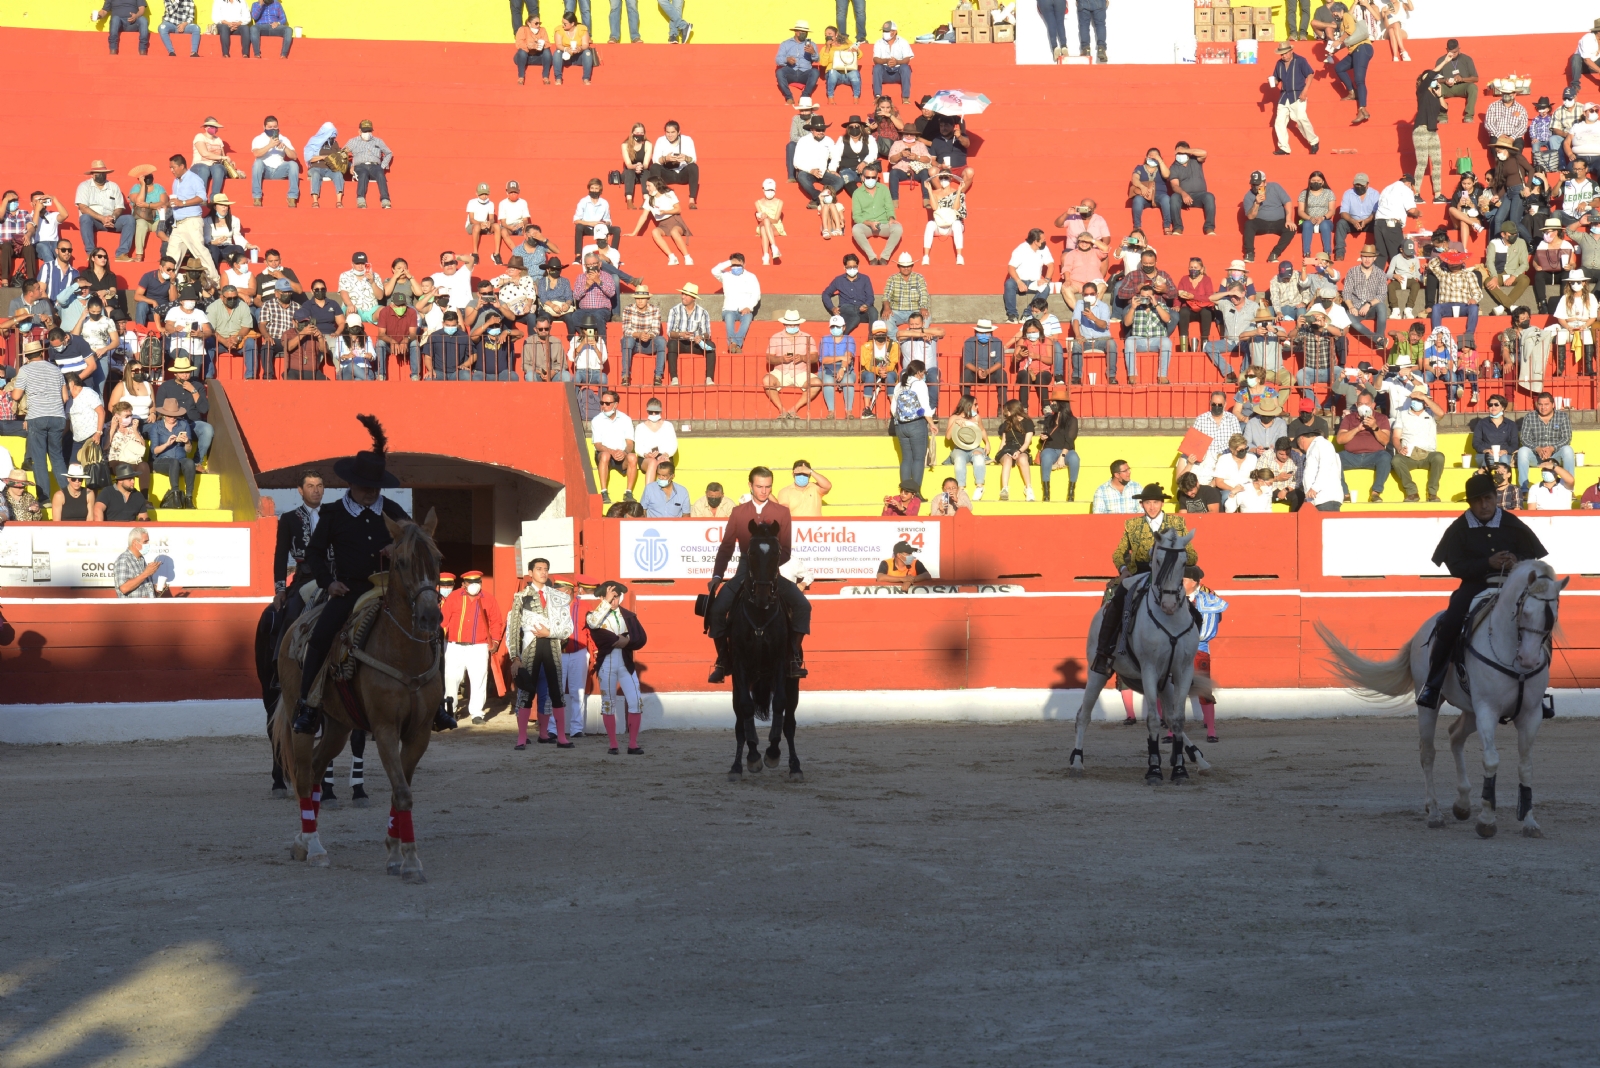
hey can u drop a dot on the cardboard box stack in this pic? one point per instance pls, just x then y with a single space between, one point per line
1218 22
974 22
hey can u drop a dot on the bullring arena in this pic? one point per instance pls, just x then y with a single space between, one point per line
940 885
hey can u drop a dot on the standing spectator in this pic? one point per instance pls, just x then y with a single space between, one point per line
1357 208
891 62
572 45
850 295
100 208
1459 77
1291 77
1545 434
271 21
275 159
1058 442
43 385
983 361
1416 445
1321 475
633 22
904 293
661 207
1352 69
188 228
1316 213
654 439
1028 271
914 424
370 158
791 358
325 162
796 62
593 210
688 331
1364 434
1092 16
662 497
1150 187
641 332
612 435
1187 181
1054 15
1396 204
872 213
1553 491
126 16
473 631
769 221
133 576
836 362
1148 321
1267 210
1119 495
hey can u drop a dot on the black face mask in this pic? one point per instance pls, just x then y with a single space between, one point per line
715 502
1216 409
1195 272
232 302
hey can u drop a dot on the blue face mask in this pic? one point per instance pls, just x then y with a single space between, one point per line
1416 406
791 329
802 480
736 270
450 329
837 331
494 331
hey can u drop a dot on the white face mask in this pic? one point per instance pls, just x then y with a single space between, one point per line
1152 162
473 588
654 416
1364 411
870 183
1502 155
1033 335
1252 380
851 272
366 135
188 305
791 330
1577 286
1181 157
836 331
769 193
444 591
1549 476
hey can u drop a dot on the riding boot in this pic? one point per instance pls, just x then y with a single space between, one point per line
1438 664
442 719
1072 491
797 657
306 718
1110 631
719 670
1046 491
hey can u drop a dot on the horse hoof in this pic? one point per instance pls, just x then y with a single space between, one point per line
1179 776
413 876
1075 771
1460 811
734 776
394 868
1436 819
755 766
280 793
1486 830
797 776
1529 831
360 802
330 803
771 760
319 860
297 851
1153 776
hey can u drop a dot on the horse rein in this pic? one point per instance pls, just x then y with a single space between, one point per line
1167 564
1546 633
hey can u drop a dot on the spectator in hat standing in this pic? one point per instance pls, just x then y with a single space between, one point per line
891 62
1291 77
796 62
370 159
1458 76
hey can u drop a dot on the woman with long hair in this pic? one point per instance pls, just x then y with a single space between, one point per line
223 235
969 444
1033 357
637 155
1316 213
1058 441
661 207
1463 209
1016 432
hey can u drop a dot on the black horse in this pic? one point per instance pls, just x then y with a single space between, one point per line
758 648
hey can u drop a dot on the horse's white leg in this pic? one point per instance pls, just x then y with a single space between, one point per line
1152 723
1176 699
1460 731
1486 717
1094 684
1527 729
1427 726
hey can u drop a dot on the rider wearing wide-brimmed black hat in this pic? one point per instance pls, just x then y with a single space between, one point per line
1132 557
345 550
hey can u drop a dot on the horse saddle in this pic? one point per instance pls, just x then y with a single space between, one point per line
339 664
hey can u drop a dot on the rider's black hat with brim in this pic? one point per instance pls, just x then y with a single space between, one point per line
368 469
1480 486
1153 492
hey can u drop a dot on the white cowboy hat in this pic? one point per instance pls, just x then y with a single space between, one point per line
791 318
1576 275
801 24
804 103
984 326
74 470
1238 265
905 260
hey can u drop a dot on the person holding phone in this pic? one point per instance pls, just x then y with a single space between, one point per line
169 447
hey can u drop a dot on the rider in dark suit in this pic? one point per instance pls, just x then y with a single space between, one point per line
1484 541
761 506
295 528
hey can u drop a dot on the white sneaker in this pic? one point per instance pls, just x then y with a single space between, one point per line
689 260
959 259
1394 313
926 261
1499 309
776 254
1028 493
672 261
674 379
711 381
977 494
766 260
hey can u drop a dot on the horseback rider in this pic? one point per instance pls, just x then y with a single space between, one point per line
1132 557
295 528
345 549
737 532
1484 542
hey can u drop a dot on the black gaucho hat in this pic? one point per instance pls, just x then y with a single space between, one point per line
367 469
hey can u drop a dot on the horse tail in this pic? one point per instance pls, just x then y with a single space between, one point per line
1369 678
1201 686
280 730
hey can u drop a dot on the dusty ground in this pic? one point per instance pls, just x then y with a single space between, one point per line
930 895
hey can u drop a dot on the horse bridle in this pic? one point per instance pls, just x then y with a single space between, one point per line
1522 629
1168 562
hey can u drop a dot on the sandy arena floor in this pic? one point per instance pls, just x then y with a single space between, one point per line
930 895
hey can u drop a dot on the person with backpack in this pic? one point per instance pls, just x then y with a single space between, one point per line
914 422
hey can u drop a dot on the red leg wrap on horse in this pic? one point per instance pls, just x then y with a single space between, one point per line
402 827
308 816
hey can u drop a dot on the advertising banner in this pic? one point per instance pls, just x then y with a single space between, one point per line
829 549
83 555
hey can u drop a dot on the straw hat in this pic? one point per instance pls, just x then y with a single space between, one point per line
690 290
967 436
1269 406
141 170
98 167
984 326
944 218
801 24
791 318
183 364
211 120
75 471
222 198
171 407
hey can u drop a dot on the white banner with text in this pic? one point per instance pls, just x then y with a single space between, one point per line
73 555
829 548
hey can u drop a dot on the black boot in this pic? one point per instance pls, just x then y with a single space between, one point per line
442 719
797 657
306 718
1072 491
1561 360
1438 663
719 670
1046 487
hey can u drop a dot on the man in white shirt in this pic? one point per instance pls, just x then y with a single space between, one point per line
1416 444
274 159
100 207
480 218
816 161
1321 474
454 281
1553 491
1586 59
673 161
612 434
1396 204
512 215
187 327
741 296
891 62
1028 271
592 210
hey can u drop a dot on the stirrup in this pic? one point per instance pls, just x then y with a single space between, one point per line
1103 664
305 718
797 666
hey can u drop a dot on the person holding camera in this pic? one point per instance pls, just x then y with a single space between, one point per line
1148 322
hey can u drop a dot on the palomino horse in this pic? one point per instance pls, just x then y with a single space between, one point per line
758 648
1162 639
1507 663
399 686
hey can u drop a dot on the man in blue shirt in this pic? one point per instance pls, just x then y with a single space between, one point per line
797 62
127 16
850 295
188 203
1290 77
1357 208
1091 329
664 498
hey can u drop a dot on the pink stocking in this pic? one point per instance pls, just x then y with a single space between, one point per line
1127 703
611 729
522 726
544 724
1208 712
558 717
633 729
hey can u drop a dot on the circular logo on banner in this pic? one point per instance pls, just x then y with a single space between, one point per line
651 552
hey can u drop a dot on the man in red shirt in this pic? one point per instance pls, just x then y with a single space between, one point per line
473 629
1591 498
737 533
1364 434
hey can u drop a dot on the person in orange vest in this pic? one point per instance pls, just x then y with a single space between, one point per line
473 629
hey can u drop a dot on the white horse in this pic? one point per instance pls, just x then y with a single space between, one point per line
1162 638
1508 668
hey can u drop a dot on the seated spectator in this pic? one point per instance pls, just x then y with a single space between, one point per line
713 504
399 331
662 497
904 293
595 290
689 331
1444 363
101 208
169 444
1267 210
210 152
661 207
554 297
796 62
543 358
1575 321
1186 185
1357 209
1505 262
907 502
593 210
951 499
1146 272
481 218
1119 495
327 162
1194 498
1289 292
769 221
983 361
880 366
1265 424
850 295
1148 321
1034 358
902 569
1083 262
276 323
271 21
949 218
17 232
1256 496
612 435
494 348
1194 303
19 504
587 357
741 298
673 161
1460 290
1316 213
919 344
1416 445
1407 288
233 328
1239 315
836 362
1280 463
447 352
1017 434
73 502
1553 491
1545 434
1058 442
187 327
572 47
641 332
189 394
909 161
791 362
533 49
264 288
122 502
274 156
891 62
1591 498
126 16
872 212
222 232
1028 271
816 157
969 444
133 575
370 159
1150 187
1091 331
1263 346
1230 470
1319 339
1364 434
1493 435
654 440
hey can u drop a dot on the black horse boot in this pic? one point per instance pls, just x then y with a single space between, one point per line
306 718
797 657
442 719
719 670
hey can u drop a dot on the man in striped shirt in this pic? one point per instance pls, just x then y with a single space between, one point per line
641 332
369 162
689 331
1120 495
1210 607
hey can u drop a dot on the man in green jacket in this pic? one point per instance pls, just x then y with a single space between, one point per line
872 213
